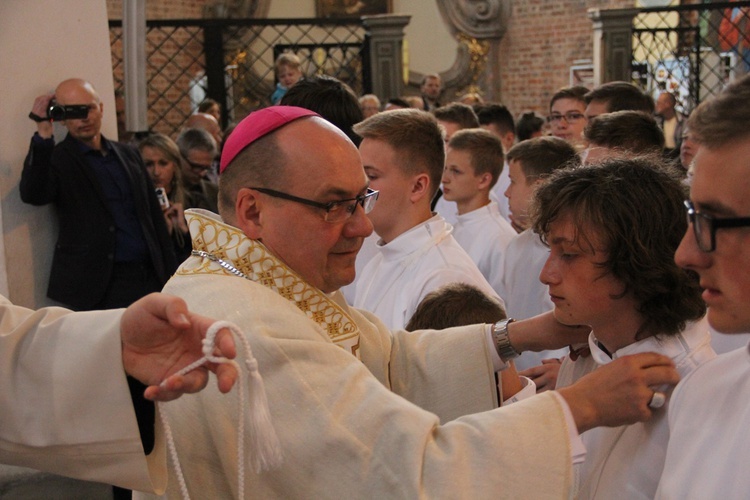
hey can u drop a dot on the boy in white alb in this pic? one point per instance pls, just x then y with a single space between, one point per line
529 162
403 155
612 229
473 161
709 439
451 118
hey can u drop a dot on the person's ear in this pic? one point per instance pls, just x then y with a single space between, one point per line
247 212
484 180
420 186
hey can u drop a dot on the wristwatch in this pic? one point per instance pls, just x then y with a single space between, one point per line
505 350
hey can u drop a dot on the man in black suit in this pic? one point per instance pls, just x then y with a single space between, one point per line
113 246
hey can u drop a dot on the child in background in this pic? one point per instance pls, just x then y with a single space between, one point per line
288 72
458 304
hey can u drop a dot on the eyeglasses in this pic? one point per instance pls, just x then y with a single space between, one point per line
570 117
336 211
705 226
198 168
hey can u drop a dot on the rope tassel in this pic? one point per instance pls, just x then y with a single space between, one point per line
265 449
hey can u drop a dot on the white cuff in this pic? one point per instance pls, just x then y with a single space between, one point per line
528 390
577 448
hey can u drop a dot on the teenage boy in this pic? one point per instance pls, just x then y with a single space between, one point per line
567 114
612 229
529 163
403 156
709 437
473 162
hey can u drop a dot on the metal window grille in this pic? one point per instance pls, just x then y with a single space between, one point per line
232 61
692 51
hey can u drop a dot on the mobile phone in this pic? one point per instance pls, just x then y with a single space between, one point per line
161 195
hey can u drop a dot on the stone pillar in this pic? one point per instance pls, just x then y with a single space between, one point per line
385 35
613 45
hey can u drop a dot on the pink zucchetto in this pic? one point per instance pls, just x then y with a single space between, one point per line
256 125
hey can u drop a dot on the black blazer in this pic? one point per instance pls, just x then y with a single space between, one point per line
84 253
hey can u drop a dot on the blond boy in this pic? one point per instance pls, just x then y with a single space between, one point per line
474 160
288 69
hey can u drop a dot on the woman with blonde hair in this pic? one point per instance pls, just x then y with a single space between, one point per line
164 164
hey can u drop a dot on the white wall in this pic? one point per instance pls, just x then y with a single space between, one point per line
43 42
431 47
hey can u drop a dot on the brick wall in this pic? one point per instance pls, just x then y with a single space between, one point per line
164 9
543 39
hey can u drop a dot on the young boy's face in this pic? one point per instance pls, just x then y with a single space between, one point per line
385 175
580 288
460 183
519 193
288 75
567 120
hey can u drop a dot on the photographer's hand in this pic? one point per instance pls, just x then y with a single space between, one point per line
41 104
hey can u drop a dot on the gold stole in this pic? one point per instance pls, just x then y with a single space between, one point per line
251 257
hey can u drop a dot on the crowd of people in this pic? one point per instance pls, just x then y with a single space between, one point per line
440 297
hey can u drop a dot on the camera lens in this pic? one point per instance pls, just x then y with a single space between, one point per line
56 113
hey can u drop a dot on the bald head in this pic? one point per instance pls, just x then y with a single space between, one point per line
281 158
74 88
205 122
76 91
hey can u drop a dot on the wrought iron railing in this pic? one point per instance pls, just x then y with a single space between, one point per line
232 61
692 51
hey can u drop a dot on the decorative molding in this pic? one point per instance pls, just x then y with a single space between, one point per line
476 18
478 25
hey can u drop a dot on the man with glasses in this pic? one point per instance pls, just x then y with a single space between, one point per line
566 115
360 411
113 246
198 150
709 432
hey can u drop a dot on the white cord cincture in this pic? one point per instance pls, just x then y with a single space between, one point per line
265 450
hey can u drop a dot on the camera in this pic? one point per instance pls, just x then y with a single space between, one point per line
58 113
161 195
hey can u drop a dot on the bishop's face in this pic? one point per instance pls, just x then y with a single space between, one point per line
322 165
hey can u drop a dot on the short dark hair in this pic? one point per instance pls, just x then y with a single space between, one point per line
625 130
575 93
397 101
621 96
634 207
541 156
724 118
484 148
415 136
458 113
455 304
330 98
497 114
198 139
527 125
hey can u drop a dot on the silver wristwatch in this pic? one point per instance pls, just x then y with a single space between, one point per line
502 342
